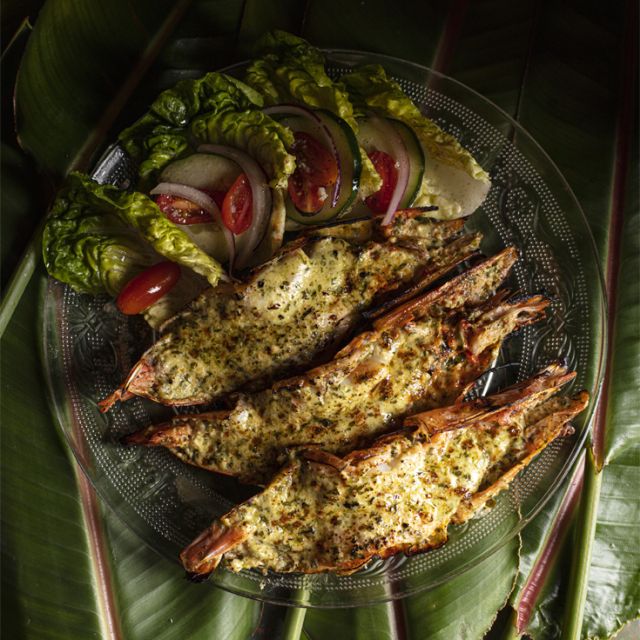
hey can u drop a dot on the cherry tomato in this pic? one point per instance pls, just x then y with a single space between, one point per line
316 172
385 165
148 287
183 211
237 208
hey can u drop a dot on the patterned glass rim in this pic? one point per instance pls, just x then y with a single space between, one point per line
346 56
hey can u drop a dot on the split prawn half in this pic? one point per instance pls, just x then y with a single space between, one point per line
330 513
422 355
295 308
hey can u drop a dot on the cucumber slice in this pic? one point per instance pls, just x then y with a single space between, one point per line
350 159
416 162
371 138
202 171
350 165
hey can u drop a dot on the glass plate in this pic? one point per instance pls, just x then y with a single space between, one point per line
89 348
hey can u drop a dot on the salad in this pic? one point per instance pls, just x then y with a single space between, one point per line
227 166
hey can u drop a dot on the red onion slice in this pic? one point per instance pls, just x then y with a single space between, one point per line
260 194
398 151
205 202
323 130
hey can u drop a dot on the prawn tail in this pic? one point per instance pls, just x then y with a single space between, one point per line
119 395
203 555
137 383
495 324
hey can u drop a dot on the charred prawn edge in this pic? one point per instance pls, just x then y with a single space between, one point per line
466 248
466 245
211 545
553 426
375 227
412 309
203 555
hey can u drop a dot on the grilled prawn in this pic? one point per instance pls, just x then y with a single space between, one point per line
326 513
293 308
419 356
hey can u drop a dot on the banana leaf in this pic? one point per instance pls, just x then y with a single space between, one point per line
70 569
611 578
464 607
601 531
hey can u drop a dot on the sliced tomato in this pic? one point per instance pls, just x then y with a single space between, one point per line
148 287
237 208
183 211
316 172
385 165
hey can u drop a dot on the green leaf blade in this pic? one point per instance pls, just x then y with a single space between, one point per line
48 586
613 587
466 605
494 57
623 428
376 622
156 602
60 62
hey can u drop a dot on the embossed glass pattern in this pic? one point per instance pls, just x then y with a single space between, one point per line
89 347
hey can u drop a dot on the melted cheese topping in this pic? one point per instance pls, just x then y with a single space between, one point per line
291 311
389 374
313 517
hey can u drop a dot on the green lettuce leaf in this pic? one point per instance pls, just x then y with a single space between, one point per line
453 180
259 135
162 134
98 237
291 70
86 247
370 88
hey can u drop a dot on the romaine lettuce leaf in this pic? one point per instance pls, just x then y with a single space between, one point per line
291 70
162 134
453 180
86 247
98 237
